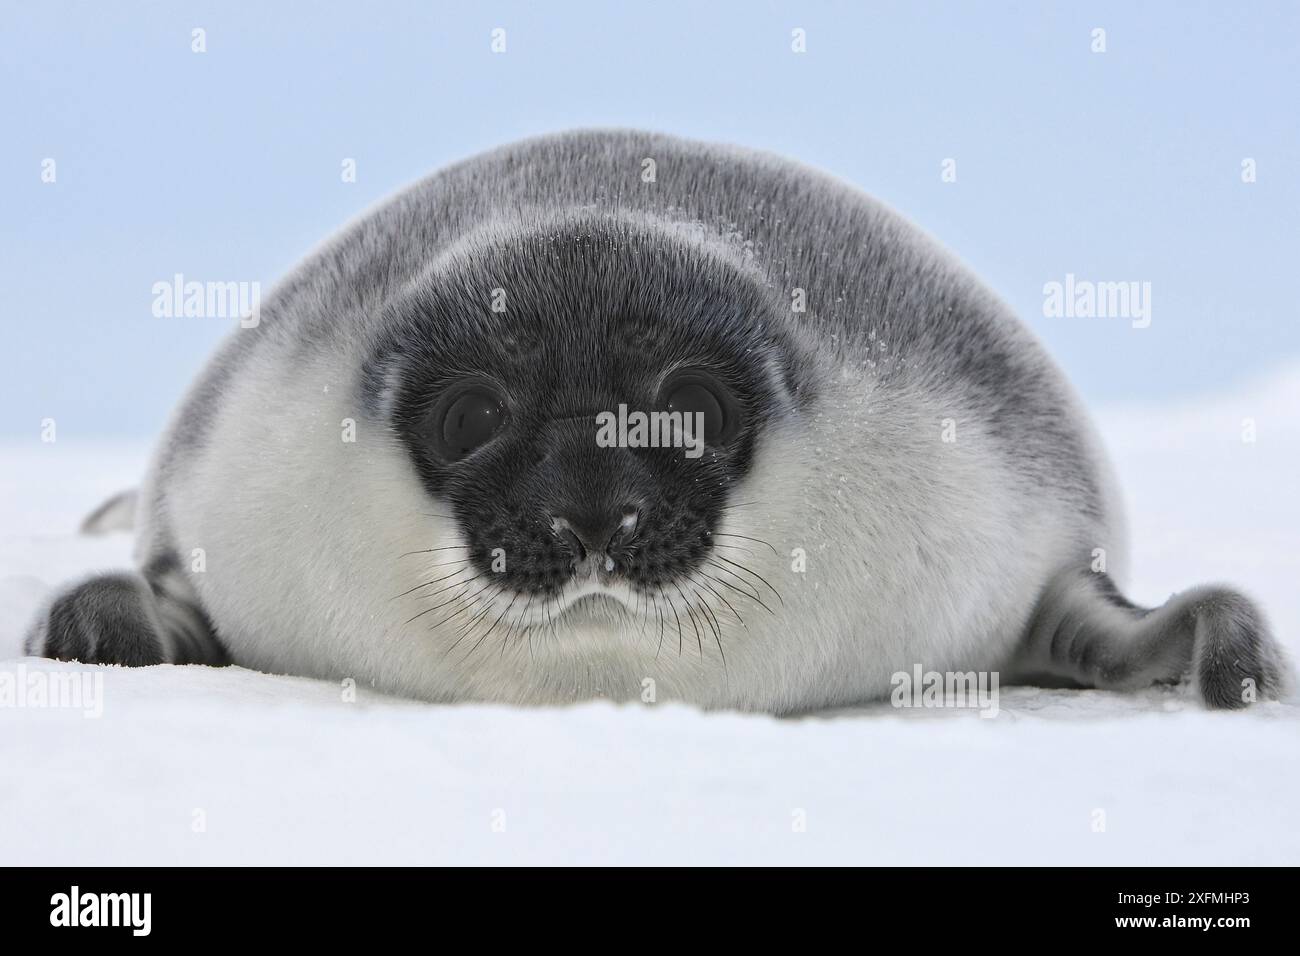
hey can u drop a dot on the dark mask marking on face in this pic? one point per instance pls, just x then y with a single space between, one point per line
497 409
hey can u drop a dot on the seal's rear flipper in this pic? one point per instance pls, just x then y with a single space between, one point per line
1084 630
115 514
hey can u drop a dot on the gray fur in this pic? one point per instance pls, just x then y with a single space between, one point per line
1084 631
127 619
969 556
106 619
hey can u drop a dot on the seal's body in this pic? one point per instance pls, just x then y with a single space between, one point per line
396 475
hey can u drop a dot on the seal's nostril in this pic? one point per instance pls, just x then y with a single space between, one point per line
626 528
561 528
590 533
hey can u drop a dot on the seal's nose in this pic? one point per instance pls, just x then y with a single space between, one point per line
594 532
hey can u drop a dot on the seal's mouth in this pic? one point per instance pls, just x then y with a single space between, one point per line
595 606
589 602
591 599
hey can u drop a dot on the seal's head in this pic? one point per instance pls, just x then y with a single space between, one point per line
534 378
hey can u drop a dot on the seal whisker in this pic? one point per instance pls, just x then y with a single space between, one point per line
448 564
672 606
419 587
466 603
450 547
450 600
732 547
721 534
467 627
690 615
716 625
718 594
449 587
741 504
659 608
757 599
489 631
753 595
511 628
754 574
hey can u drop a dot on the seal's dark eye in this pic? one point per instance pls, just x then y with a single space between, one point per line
469 421
699 393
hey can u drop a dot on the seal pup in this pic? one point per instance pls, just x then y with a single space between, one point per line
395 476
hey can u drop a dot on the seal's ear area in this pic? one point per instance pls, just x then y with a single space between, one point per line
1084 630
115 514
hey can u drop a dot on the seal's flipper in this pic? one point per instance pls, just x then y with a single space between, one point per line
1084 630
105 620
115 514
125 619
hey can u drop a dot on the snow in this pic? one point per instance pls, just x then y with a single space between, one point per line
228 766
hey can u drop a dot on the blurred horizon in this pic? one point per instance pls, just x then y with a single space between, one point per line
225 165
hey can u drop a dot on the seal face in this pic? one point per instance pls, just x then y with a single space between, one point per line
498 402
446 461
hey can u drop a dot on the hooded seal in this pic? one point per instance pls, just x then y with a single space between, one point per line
614 414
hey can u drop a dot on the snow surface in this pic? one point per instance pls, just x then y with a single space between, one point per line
228 766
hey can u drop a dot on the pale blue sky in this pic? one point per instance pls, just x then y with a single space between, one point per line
1124 165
